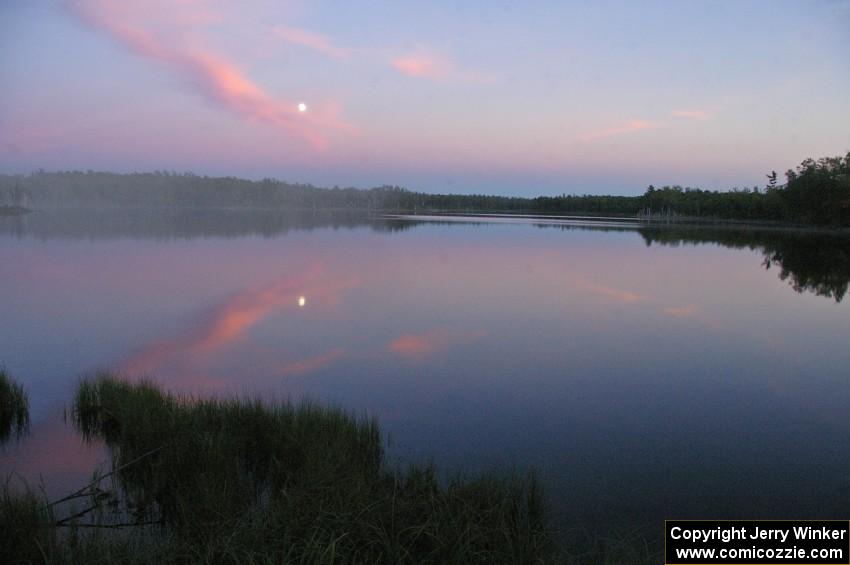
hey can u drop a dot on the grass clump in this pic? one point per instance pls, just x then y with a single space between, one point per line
26 526
232 481
14 407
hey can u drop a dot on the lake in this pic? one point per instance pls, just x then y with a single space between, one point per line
646 372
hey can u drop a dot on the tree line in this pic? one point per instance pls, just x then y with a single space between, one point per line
816 192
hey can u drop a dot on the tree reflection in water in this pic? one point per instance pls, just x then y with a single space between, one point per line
816 262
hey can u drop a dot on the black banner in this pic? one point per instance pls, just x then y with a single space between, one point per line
757 542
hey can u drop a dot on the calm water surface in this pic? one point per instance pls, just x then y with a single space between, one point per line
646 373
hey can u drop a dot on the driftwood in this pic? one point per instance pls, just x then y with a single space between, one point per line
92 489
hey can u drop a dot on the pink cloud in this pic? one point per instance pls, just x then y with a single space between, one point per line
628 127
310 364
682 311
413 345
433 67
416 346
144 29
424 66
691 114
314 41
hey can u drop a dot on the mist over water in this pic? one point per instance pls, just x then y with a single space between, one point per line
647 373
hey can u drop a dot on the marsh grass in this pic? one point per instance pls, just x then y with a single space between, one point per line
244 481
240 481
27 534
14 408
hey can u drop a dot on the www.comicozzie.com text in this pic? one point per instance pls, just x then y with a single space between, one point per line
756 533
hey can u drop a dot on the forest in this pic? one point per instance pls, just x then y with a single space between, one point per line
816 192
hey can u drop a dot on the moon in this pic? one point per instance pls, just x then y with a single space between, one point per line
302 107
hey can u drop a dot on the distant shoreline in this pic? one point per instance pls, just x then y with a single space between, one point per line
817 193
642 222
636 220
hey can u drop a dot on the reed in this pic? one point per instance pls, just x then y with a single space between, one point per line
242 481
14 408
245 481
26 524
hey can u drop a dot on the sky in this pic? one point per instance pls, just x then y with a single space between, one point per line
466 96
